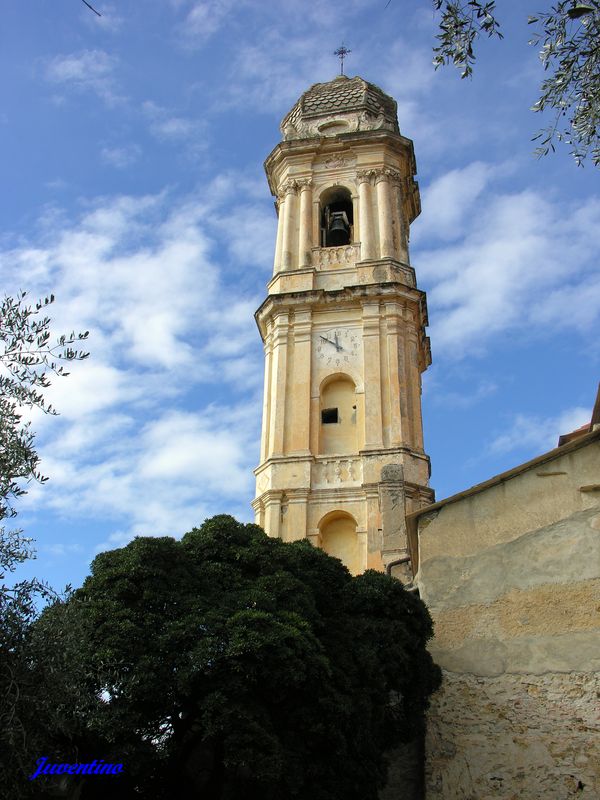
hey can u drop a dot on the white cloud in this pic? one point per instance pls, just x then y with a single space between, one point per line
201 446
135 441
250 231
449 202
203 20
166 126
59 549
121 157
272 86
529 432
178 468
408 70
91 387
87 70
478 391
109 21
520 255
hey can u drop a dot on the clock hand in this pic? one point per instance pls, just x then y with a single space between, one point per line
328 341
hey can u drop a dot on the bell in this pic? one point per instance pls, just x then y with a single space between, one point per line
339 229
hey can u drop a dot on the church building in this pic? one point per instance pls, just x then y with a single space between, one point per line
510 568
343 327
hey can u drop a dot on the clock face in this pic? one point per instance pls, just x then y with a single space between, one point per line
337 346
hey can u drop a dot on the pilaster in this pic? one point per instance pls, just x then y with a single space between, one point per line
384 215
278 383
297 513
288 253
272 512
372 373
301 418
365 222
392 342
392 503
266 425
306 233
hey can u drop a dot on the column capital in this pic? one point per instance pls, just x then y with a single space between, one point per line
290 186
387 174
365 175
304 183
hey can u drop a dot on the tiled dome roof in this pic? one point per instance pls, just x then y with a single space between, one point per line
345 97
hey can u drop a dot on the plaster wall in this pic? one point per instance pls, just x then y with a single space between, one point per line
339 539
511 575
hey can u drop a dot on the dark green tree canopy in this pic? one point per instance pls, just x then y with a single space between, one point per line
232 665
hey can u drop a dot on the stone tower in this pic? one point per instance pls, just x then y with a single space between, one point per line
343 328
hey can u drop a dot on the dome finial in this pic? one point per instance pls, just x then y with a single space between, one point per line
341 53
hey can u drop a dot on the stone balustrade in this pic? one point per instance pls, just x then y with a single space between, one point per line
337 471
332 257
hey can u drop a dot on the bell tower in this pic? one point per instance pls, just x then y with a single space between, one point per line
343 327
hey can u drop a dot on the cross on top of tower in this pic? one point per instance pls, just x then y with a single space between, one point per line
341 53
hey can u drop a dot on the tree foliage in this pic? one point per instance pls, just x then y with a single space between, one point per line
460 26
28 357
231 665
19 689
569 36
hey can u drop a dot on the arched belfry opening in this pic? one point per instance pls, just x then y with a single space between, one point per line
337 217
340 540
338 416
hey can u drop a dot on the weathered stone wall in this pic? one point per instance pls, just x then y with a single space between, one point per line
510 572
533 737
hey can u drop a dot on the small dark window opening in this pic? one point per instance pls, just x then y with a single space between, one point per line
329 415
337 219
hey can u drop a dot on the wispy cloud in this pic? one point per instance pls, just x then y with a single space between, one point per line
136 440
477 392
110 21
450 202
502 261
87 70
203 19
60 549
529 432
121 157
168 127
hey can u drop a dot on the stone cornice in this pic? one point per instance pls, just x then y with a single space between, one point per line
349 295
289 151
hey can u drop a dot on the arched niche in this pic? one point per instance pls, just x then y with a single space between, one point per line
339 539
338 429
336 217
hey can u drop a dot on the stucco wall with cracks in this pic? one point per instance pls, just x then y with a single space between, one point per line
510 572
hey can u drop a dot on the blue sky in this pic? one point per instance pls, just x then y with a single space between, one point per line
133 189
